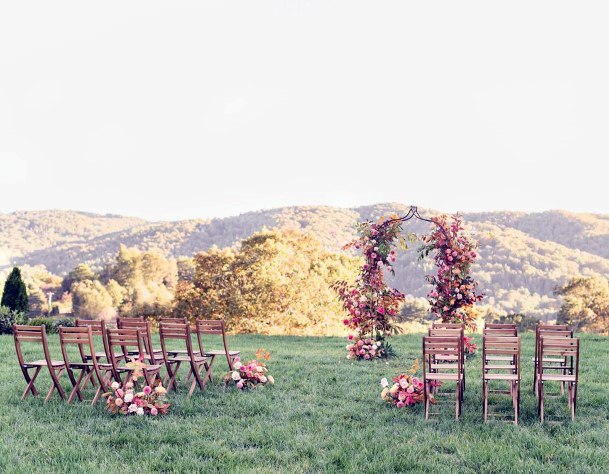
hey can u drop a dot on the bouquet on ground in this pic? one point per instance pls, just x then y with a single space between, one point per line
127 400
365 348
250 375
469 347
406 390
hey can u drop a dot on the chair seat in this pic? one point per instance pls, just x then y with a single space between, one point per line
500 358
558 360
512 377
181 358
43 363
445 357
499 367
221 352
558 377
452 366
148 368
441 376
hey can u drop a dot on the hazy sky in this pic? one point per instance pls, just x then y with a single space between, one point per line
198 109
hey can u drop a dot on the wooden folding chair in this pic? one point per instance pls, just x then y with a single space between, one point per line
567 348
442 346
214 326
173 361
152 355
56 368
553 330
124 339
448 361
88 365
508 346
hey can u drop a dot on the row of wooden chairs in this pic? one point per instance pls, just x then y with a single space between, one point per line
132 338
556 359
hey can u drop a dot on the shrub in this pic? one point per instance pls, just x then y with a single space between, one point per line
8 317
522 321
52 325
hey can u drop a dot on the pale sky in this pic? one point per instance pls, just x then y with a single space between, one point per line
171 110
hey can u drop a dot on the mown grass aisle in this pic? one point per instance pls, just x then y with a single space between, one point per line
324 413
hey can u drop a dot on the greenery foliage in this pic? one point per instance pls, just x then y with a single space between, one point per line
585 304
14 295
52 324
8 317
277 282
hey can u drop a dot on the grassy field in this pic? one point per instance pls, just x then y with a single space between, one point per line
323 414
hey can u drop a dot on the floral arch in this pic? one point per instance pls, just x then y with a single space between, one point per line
373 306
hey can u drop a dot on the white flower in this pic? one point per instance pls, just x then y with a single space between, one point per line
384 382
375 347
140 411
128 397
237 365
235 376
263 379
132 407
115 385
260 369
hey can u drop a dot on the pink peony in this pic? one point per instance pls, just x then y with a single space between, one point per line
350 337
399 404
147 390
118 402
154 411
240 384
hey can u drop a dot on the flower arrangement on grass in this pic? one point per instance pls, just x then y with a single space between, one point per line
365 348
406 390
127 400
250 375
470 347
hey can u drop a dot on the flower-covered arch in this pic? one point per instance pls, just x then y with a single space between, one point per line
373 306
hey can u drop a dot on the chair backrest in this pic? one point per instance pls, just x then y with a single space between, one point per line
210 326
119 321
443 346
23 333
559 346
145 331
504 346
500 326
448 326
98 328
176 331
82 337
124 338
173 320
445 332
501 332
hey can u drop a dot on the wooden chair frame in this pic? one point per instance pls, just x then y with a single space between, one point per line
553 330
173 360
448 361
214 326
88 365
563 347
152 355
501 326
125 338
38 334
435 346
510 347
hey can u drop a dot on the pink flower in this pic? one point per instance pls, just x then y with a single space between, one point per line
240 384
154 411
360 343
346 322
410 389
120 392
118 402
403 383
399 404
350 337
147 390
367 357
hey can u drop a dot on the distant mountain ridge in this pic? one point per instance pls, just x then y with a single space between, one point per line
523 256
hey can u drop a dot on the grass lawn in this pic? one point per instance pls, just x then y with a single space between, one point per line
323 414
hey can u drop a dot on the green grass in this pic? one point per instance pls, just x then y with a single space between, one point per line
323 414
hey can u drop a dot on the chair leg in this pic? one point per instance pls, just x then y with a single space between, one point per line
484 394
426 396
30 380
76 384
541 401
55 385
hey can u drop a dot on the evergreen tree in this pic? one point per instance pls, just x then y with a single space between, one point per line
15 293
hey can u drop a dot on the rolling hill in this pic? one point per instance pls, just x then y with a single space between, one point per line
523 256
